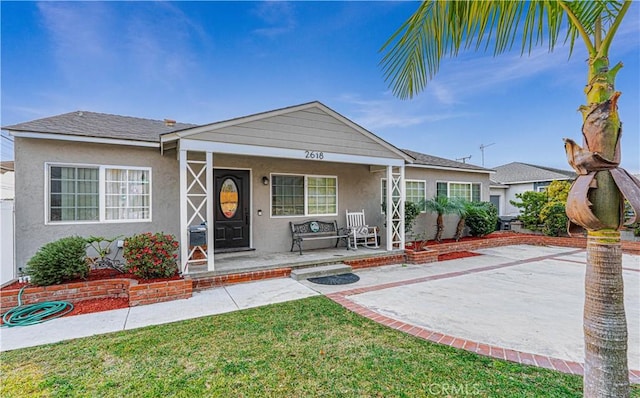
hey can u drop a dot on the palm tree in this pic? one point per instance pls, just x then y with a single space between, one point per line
441 205
462 210
441 28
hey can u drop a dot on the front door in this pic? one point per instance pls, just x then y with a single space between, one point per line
231 214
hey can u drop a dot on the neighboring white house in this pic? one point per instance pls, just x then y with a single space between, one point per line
7 184
7 180
514 178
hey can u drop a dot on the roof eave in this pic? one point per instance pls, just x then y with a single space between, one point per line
426 166
82 138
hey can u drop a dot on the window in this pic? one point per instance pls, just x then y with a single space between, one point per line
73 194
462 190
127 194
295 195
98 193
415 191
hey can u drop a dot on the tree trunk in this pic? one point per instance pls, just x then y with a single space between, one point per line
459 229
440 227
605 327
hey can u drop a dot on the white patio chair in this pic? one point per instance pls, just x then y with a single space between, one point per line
360 232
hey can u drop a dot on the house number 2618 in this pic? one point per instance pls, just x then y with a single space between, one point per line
313 155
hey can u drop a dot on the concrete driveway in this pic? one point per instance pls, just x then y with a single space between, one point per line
522 303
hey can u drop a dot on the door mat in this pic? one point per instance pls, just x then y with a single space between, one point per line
343 279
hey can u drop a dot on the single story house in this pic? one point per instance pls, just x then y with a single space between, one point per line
514 178
246 179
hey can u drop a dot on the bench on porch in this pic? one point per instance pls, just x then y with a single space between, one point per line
316 230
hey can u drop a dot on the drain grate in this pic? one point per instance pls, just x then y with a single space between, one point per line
343 279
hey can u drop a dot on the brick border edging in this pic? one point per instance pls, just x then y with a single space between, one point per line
521 357
137 293
432 251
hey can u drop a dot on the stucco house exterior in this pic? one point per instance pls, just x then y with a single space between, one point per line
514 178
86 173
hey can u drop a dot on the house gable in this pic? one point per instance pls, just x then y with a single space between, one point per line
307 127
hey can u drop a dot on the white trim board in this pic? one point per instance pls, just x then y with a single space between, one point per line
80 138
282 153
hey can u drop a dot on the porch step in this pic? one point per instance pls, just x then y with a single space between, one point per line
315 272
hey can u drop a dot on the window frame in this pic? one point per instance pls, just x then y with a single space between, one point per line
471 184
101 193
383 191
306 195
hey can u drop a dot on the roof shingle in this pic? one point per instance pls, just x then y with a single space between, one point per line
523 172
429 160
100 125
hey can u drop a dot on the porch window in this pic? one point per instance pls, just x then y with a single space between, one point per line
98 194
298 195
415 191
459 190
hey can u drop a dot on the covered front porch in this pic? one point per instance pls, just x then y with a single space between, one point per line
243 181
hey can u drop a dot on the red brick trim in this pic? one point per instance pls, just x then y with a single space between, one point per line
479 348
208 282
138 294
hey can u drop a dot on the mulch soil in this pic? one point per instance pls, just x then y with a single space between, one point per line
455 255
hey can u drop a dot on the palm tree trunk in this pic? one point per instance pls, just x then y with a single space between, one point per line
605 327
440 227
459 229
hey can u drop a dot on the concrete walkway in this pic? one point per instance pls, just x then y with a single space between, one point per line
521 303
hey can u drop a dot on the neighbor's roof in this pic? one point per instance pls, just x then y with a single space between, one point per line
422 159
517 172
99 125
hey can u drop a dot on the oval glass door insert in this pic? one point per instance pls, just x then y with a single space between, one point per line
229 198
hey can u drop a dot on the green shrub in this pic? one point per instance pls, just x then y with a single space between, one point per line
58 262
530 205
411 212
482 218
151 255
554 219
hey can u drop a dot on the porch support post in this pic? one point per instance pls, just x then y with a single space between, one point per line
389 212
395 207
209 215
403 197
184 238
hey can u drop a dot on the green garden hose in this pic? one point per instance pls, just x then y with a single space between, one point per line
24 315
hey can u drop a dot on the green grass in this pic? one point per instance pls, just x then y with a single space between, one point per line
311 347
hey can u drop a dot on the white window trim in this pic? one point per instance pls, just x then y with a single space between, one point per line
383 192
459 182
306 201
101 194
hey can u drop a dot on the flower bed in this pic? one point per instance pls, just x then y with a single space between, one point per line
103 284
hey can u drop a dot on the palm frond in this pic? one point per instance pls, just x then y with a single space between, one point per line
442 28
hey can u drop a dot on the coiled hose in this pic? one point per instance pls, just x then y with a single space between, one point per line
24 315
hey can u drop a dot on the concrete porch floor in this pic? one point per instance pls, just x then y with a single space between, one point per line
248 261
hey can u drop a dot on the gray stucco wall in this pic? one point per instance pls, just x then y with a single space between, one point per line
358 189
426 222
32 154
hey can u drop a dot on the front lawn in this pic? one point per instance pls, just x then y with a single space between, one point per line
310 347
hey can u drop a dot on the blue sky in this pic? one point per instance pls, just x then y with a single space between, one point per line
202 62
